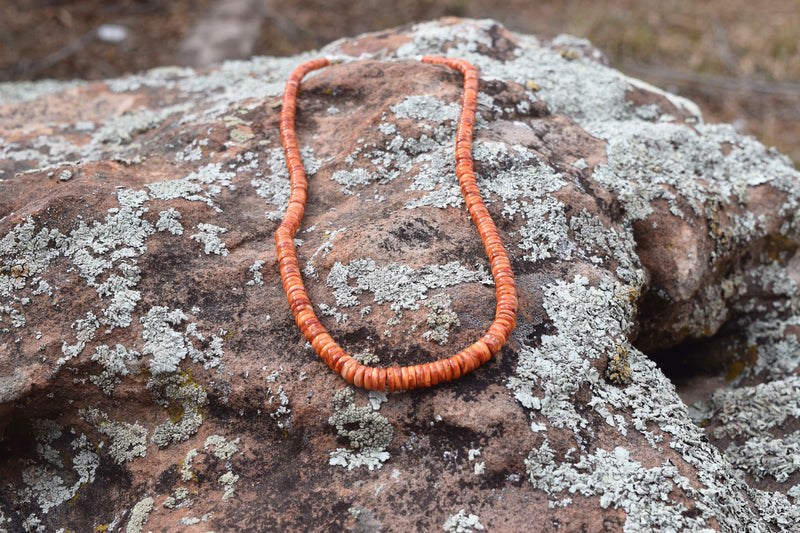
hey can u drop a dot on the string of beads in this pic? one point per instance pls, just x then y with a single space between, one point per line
407 377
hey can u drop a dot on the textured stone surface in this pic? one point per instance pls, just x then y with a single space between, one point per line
152 378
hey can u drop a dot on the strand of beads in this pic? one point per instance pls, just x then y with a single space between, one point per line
414 376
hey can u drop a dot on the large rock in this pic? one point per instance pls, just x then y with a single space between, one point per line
152 377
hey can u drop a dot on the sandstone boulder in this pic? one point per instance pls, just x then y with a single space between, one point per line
152 377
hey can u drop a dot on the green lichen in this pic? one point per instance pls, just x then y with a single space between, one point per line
362 426
367 357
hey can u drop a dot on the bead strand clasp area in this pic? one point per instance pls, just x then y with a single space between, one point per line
405 377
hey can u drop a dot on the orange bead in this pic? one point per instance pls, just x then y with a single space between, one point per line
358 376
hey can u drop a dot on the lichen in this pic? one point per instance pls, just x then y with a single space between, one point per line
114 362
139 515
399 285
178 392
461 522
42 482
208 235
167 346
228 480
202 185
128 441
223 449
168 221
441 319
645 494
273 186
120 129
255 270
366 520
366 430
186 465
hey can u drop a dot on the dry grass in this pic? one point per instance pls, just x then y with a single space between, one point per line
738 59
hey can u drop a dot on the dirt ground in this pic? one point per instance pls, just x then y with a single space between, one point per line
740 60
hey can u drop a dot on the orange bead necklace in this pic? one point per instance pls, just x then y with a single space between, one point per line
407 377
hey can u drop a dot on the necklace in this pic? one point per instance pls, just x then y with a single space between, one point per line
414 376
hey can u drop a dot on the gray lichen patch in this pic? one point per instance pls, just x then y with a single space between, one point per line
27 91
651 497
255 270
399 285
753 411
586 318
184 399
202 185
462 522
208 236
366 430
169 221
85 329
273 186
525 186
441 319
139 515
167 345
228 480
128 441
763 455
650 161
746 417
119 130
104 251
362 426
223 448
59 471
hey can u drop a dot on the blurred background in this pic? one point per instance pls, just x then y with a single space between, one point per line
739 60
